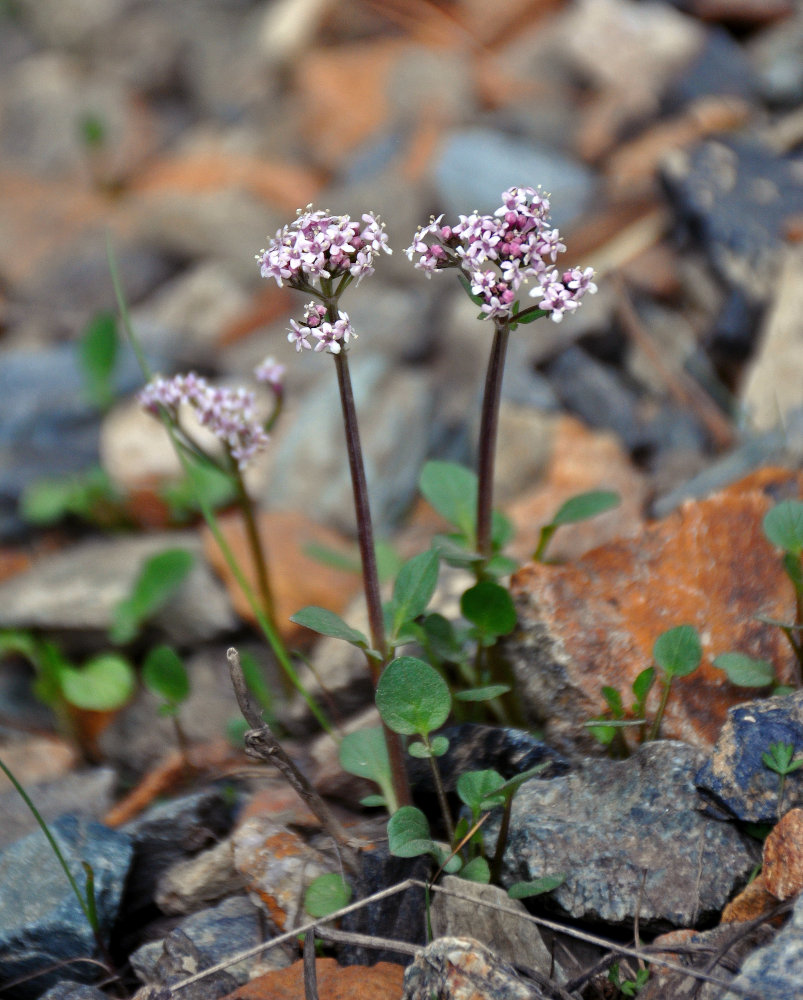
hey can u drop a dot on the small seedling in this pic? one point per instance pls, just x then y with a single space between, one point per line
165 676
607 729
326 894
97 352
158 581
780 759
783 527
677 653
88 496
577 508
628 987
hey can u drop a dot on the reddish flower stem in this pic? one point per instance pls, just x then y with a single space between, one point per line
489 425
365 537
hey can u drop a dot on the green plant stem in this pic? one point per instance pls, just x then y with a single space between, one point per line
447 815
255 543
268 629
489 425
656 722
501 840
365 536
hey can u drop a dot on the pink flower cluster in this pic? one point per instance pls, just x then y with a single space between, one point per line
314 324
501 252
227 413
318 245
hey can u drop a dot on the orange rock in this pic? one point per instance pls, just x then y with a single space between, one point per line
783 856
594 622
751 902
353 105
297 578
382 981
581 460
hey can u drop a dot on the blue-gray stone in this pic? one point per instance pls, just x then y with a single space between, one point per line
219 932
476 165
629 840
774 972
735 776
69 990
41 921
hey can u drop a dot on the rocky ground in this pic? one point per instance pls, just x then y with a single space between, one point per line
669 137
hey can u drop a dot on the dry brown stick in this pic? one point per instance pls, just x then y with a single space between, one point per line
681 386
263 745
310 971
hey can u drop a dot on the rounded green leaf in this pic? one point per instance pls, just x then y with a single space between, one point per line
327 894
476 870
476 789
744 671
408 833
489 606
643 683
585 505
452 490
438 746
419 749
164 675
412 697
414 587
783 526
678 651
365 754
103 684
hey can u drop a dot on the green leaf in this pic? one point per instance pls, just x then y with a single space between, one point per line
642 685
486 693
440 637
745 671
408 833
489 606
414 588
476 870
779 758
602 734
521 890
438 745
794 569
783 526
373 802
452 490
159 580
502 530
412 697
97 357
103 684
530 317
476 789
164 675
326 894
476 299
586 505
613 699
678 651
326 622
365 754
204 482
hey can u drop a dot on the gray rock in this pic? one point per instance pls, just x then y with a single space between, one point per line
498 162
180 960
170 832
453 967
736 196
608 822
736 778
41 922
775 971
73 991
511 939
86 793
720 67
219 932
776 54
79 589
190 885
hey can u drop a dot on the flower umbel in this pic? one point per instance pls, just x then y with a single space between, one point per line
501 252
228 413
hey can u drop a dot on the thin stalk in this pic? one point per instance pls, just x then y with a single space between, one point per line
489 425
501 840
656 722
365 536
447 815
255 543
270 632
